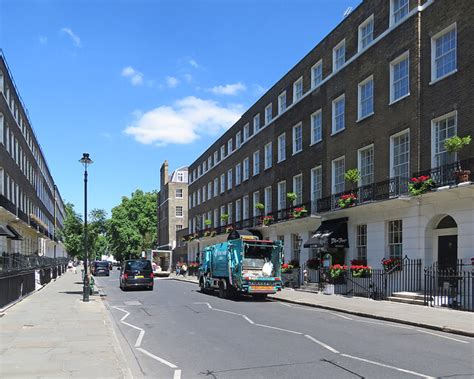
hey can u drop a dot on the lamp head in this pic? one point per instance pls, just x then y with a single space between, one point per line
85 160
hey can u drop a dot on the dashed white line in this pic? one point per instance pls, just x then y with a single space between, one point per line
276 328
440 336
322 344
341 316
246 318
164 361
177 374
388 366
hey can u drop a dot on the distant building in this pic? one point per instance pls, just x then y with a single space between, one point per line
31 208
380 93
172 207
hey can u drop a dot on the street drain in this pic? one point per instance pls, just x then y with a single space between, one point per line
26 326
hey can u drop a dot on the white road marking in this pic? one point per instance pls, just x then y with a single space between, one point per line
281 329
388 366
385 324
164 361
439 335
322 344
341 316
246 318
138 342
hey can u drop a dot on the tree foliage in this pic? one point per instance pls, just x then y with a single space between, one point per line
132 227
71 234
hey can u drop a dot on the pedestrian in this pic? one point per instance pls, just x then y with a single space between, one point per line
177 268
184 269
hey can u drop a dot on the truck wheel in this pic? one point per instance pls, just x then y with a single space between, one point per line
222 289
201 285
260 296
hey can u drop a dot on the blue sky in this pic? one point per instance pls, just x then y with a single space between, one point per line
137 82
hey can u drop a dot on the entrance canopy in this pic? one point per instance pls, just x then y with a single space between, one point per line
16 235
5 232
331 233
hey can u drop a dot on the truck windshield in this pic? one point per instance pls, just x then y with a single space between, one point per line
256 256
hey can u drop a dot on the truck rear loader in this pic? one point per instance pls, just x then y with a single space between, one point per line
244 264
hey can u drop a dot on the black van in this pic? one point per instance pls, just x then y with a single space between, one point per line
100 268
136 273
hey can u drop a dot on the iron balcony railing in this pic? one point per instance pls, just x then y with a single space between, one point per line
384 190
14 262
447 175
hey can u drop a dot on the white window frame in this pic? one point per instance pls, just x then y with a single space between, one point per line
176 193
392 144
177 213
216 187
245 207
230 213
268 155
361 39
229 146
314 79
246 169
361 169
434 77
238 210
268 199
282 102
256 123
246 133
255 200
222 152
216 157
256 162
238 139
335 50
229 179
361 242
434 135
281 199
268 114
393 11
314 139
333 125
223 183
361 116
238 174
297 149
316 185
281 147
400 58
395 238
334 190
297 95
298 189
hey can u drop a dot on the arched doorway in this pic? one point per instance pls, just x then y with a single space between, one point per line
447 243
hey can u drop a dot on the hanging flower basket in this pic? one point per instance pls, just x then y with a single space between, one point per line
361 271
299 212
420 185
348 200
390 263
267 220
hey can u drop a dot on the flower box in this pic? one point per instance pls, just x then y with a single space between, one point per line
348 200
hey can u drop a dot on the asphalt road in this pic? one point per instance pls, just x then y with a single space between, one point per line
177 332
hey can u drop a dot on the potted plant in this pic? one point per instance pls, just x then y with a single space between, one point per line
390 263
420 185
312 263
352 176
267 220
360 271
454 145
229 229
286 268
213 233
299 212
336 272
291 196
207 233
259 206
224 217
348 200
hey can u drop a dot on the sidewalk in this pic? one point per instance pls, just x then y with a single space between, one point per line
53 333
446 320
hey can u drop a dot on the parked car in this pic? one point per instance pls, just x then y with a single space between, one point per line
136 273
100 268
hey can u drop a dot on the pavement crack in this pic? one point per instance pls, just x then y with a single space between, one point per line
343 368
214 372
191 309
145 311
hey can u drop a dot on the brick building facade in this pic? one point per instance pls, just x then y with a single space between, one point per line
380 93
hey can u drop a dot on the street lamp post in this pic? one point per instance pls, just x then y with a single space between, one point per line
85 160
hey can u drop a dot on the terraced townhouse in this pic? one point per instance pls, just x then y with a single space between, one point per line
380 93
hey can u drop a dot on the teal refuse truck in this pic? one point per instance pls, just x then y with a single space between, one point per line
244 263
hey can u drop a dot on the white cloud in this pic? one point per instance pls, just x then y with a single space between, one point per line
193 63
136 77
228 89
188 77
43 40
183 122
75 38
172 82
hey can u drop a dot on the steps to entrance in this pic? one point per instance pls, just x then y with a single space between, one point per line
309 287
407 298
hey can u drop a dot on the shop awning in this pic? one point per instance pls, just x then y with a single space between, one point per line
15 234
331 233
5 232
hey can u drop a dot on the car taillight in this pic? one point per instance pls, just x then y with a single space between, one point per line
125 276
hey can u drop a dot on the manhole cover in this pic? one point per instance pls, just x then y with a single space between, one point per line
132 302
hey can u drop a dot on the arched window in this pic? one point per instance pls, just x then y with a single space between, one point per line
447 222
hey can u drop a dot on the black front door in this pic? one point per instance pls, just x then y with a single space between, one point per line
447 252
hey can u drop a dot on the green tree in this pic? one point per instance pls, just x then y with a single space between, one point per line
132 227
96 233
71 234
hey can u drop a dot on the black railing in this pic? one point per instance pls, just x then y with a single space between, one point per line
15 286
17 262
447 175
450 287
383 190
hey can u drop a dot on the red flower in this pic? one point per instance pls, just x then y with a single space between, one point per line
284 265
